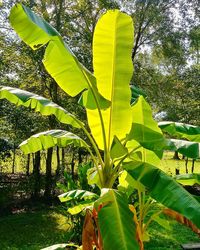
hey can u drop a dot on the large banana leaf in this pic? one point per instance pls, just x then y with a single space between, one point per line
166 190
83 199
62 246
50 138
128 184
77 195
142 154
80 207
144 129
117 149
181 219
59 60
116 223
187 148
112 46
38 103
135 93
181 130
188 179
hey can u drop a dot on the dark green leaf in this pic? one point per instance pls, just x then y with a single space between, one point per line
166 190
116 223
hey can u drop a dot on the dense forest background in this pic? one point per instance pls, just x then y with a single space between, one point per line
166 56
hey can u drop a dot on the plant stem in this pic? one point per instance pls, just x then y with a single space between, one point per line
117 167
106 152
95 148
151 219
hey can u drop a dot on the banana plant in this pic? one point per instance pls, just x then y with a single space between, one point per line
131 141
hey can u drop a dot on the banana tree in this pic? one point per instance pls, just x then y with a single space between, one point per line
189 147
188 142
131 141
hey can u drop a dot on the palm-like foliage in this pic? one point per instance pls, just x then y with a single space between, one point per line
131 140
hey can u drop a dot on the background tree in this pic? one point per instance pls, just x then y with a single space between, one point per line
165 53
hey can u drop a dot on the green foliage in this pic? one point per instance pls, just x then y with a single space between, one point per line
188 179
186 148
128 135
181 130
115 205
34 230
51 138
40 229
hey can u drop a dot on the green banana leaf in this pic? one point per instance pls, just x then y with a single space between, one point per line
39 104
128 184
87 99
112 46
59 60
115 220
135 93
57 246
93 177
142 154
166 190
80 207
162 222
117 149
51 138
144 129
188 179
77 195
181 130
187 148
87 198
62 246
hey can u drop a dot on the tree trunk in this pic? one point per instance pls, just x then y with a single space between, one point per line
193 161
58 162
176 157
63 161
14 157
28 165
186 165
48 182
36 175
80 160
72 167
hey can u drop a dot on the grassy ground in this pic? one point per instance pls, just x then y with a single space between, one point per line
162 239
168 164
33 231
39 229
21 160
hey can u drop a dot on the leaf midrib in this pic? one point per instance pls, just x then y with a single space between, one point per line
112 81
120 221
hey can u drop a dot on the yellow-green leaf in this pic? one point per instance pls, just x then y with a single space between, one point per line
39 104
144 129
59 60
112 46
50 138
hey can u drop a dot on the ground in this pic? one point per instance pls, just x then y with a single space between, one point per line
43 227
38 229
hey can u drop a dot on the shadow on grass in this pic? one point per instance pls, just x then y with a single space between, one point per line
162 239
33 230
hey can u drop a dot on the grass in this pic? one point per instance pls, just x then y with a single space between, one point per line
162 239
168 164
33 230
39 229
20 163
